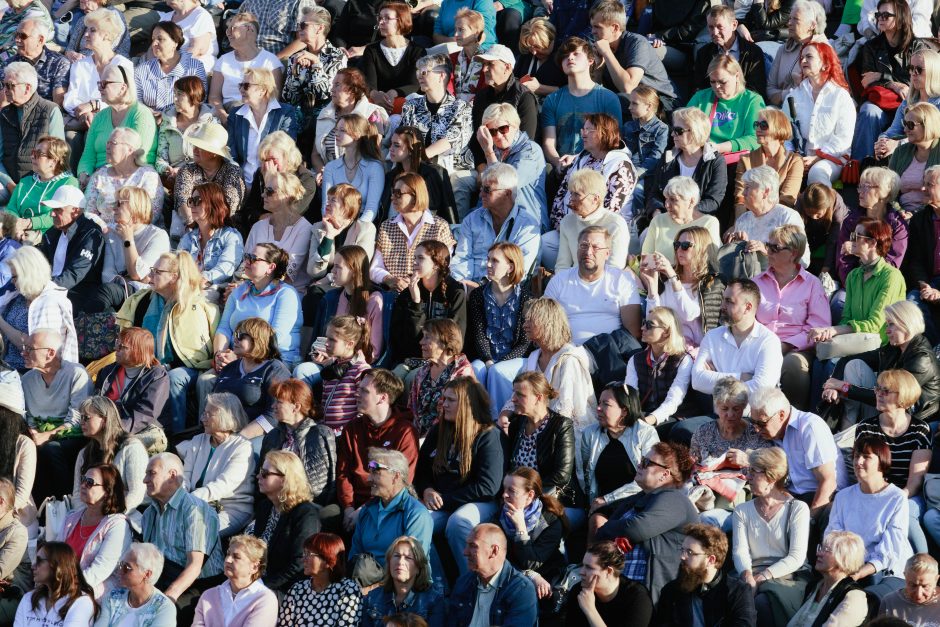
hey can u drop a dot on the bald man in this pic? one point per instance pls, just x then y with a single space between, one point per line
492 592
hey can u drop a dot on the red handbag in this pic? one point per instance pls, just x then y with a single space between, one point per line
882 97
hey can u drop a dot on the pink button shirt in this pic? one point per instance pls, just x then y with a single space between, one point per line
790 313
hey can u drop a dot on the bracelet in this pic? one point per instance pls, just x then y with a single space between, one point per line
127 243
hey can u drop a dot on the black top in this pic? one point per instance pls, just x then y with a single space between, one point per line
383 76
440 193
547 74
252 388
632 600
613 468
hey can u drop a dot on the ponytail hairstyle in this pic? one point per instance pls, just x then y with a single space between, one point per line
533 482
366 134
354 329
357 259
440 255
650 97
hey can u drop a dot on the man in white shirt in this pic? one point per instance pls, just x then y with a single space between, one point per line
596 298
741 347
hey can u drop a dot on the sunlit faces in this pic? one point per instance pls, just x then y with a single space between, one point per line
811 63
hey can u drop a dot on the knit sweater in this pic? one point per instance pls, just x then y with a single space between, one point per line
340 391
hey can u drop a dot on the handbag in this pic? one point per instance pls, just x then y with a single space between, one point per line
97 333
847 345
734 262
851 168
882 97
56 509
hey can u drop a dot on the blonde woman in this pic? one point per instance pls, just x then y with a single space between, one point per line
361 164
731 107
245 562
924 87
536 68
910 160
277 152
134 244
682 202
284 519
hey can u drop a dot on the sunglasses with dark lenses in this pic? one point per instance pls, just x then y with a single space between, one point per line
125 567
241 337
911 125
264 474
194 201
883 15
649 325
915 70
682 245
251 258
679 131
762 125
502 130
269 191
88 482
102 85
774 248
646 462
244 86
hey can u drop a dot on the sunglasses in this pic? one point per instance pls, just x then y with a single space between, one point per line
102 85
774 248
682 245
910 126
269 191
397 193
915 70
762 125
649 325
883 15
502 130
486 189
88 482
264 474
241 337
244 86
857 236
9 86
646 462
194 201
679 131
125 567
251 258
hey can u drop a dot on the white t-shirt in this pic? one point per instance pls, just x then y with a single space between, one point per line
197 24
80 614
233 71
593 308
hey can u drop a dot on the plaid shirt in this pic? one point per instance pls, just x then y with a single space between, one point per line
52 69
277 20
635 562
186 524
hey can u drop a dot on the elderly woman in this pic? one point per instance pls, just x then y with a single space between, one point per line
283 226
792 304
611 450
924 68
325 596
470 37
442 119
389 81
406 587
682 203
285 519
75 48
310 71
180 319
124 111
50 161
837 598
825 113
218 464
536 67
823 210
245 562
137 383
877 192
770 539
186 112
441 345
211 164
349 95
340 227
261 111
37 303
772 129
154 91
123 169
110 443
216 247
198 30
406 154
83 97
298 431
97 530
394 261
690 131
922 150
764 213
229 71
137 599
133 245
278 152
876 510
361 164
807 23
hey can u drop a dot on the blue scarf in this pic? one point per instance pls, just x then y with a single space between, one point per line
532 514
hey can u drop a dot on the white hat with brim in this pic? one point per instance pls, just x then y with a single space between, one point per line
66 196
210 137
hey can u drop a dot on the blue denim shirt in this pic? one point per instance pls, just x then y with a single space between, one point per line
515 604
221 256
381 602
476 235
529 160
647 143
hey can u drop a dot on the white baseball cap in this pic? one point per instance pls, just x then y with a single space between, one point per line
497 52
66 196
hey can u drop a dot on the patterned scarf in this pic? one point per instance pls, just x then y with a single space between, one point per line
532 514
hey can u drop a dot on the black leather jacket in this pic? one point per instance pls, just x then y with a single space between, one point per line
554 453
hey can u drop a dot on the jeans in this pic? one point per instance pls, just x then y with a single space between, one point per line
182 380
720 518
869 124
309 373
550 243
457 526
497 379
915 533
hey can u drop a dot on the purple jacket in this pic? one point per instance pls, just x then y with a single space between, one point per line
847 263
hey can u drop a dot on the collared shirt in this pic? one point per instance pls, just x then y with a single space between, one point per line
254 137
52 70
277 21
185 524
486 594
232 605
809 444
378 271
759 354
58 258
734 50
155 89
792 311
477 234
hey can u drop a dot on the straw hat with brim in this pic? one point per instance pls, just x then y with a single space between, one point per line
210 137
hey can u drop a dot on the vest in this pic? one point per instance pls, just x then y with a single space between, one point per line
20 137
653 383
397 254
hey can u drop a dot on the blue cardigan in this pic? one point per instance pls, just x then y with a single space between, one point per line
285 118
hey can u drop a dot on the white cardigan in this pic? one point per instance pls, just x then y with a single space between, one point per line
828 123
637 441
228 477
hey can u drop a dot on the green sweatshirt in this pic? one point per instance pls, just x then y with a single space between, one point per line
30 191
734 118
852 12
138 117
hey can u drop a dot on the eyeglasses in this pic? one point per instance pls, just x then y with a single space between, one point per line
397 193
102 85
20 36
915 70
309 554
588 131
883 391
264 474
32 349
646 462
154 270
586 247
125 567
502 130
822 548
245 86
86 417
883 15
241 337
649 325
269 191
437 70
88 482
40 154
387 18
486 189
760 423
678 131
774 248
911 125
857 236
762 125
251 258
374 466
578 196
682 245
194 201
10 86
690 553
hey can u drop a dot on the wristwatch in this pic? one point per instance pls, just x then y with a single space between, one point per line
127 243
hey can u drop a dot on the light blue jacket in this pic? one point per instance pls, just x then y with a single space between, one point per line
476 235
377 527
159 611
529 160
221 256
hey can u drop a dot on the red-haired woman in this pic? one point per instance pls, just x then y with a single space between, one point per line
825 113
327 597
62 596
136 381
216 247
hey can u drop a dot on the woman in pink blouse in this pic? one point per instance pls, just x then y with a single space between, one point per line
792 304
248 602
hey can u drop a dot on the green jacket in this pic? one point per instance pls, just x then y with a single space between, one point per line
191 331
138 117
734 119
865 301
29 192
904 155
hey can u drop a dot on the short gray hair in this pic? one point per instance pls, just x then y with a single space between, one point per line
769 401
502 111
232 416
886 179
394 460
170 462
32 271
24 72
766 178
729 390
52 336
683 187
907 315
816 11
42 29
434 60
147 557
932 173
504 175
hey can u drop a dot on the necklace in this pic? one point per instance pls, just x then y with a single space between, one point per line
351 171
767 511
81 523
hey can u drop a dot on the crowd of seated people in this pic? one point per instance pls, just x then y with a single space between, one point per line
469 313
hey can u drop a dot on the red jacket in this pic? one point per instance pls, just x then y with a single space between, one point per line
352 454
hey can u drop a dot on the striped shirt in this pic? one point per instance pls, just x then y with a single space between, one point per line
340 394
185 524
916 438
155 89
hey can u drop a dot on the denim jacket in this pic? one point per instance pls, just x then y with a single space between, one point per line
515 603
476 235
381 602
221 256
647 143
